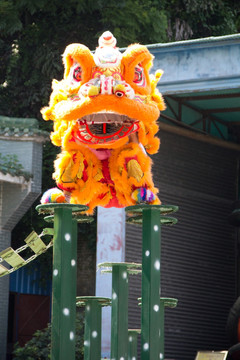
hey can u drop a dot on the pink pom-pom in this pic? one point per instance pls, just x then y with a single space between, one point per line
53 195
142 195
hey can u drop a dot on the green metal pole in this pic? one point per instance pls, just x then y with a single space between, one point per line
162 329
119 323
151 238
92 333
73 272
164 302
64 285
152 321
132 343
93 324
64 275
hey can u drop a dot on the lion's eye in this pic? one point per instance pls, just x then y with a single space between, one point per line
77 74
139 76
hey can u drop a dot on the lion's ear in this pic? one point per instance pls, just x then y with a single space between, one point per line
78 62
136 62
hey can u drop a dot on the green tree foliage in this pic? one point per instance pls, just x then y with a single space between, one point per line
38 348
202 18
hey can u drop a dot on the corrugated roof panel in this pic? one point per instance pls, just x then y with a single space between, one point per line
27 280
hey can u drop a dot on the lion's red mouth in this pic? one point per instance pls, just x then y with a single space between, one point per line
101 128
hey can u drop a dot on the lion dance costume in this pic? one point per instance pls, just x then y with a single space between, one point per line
105 113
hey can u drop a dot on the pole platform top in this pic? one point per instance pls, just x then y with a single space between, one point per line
77 211
131 268
79 218
49 208
167 302
135 213
134 331
164 220
85 300
164 209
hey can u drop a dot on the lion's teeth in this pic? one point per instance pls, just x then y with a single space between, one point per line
105 117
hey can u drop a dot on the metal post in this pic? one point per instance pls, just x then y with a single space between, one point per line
93 325
162 330
119 320
151 238
64 276
151 219
164 302
64 286
92 333
119 324
132 343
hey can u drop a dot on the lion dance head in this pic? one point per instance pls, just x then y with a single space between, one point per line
105 113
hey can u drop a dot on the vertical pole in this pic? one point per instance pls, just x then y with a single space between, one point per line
64 285
132 344
73 274
119 325
162 329
164 302
150 349
92 332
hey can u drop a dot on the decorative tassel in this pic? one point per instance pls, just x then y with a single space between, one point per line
143 195
53 195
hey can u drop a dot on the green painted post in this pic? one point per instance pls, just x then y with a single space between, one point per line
119 322
92 333
151 219
93 325
164 302
151 237
162 330
64 278
73 274
132 343
64 286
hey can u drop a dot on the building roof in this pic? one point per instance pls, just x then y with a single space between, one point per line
22 128
202 42
201 85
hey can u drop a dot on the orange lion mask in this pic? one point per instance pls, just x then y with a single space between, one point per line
105 113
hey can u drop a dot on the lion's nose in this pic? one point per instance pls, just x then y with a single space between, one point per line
106 85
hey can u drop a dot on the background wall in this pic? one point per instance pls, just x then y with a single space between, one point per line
199 253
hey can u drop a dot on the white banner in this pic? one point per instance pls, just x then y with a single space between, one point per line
110 248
